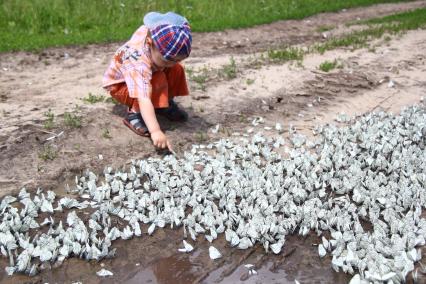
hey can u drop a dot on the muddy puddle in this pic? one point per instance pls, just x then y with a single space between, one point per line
155 259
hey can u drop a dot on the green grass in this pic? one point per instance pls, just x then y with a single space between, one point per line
48 153
286 54
249 81
49 123
410 18
111 100
200 77
37 24
327 66
106 134
72 120
200 136
228 71
392 25
93 99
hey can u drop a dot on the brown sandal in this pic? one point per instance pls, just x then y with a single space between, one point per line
135 123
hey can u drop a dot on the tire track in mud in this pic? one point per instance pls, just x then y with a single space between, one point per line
332 84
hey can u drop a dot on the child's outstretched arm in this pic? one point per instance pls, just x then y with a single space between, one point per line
159 139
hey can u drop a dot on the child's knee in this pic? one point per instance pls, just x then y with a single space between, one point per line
120 93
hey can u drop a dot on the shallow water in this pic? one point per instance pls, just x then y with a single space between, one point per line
155 259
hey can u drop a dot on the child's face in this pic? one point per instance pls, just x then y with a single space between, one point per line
159 62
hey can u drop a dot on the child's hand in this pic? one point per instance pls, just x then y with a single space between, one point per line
159 139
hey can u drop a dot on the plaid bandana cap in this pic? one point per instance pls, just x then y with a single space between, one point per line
171 34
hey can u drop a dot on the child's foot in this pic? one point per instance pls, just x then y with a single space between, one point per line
135 122
173 112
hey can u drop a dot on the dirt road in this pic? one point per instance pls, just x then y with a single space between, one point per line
387 77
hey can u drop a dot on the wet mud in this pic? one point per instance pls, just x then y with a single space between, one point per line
155 259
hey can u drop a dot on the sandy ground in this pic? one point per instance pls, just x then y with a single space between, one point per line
391 76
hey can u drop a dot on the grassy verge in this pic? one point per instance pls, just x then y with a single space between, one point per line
409 19
32 25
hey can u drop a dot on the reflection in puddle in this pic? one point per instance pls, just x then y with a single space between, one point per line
241 275
178 268
156 259
299 261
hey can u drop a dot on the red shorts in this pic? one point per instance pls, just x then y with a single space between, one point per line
166 84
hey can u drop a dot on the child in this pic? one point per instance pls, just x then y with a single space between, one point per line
145 74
